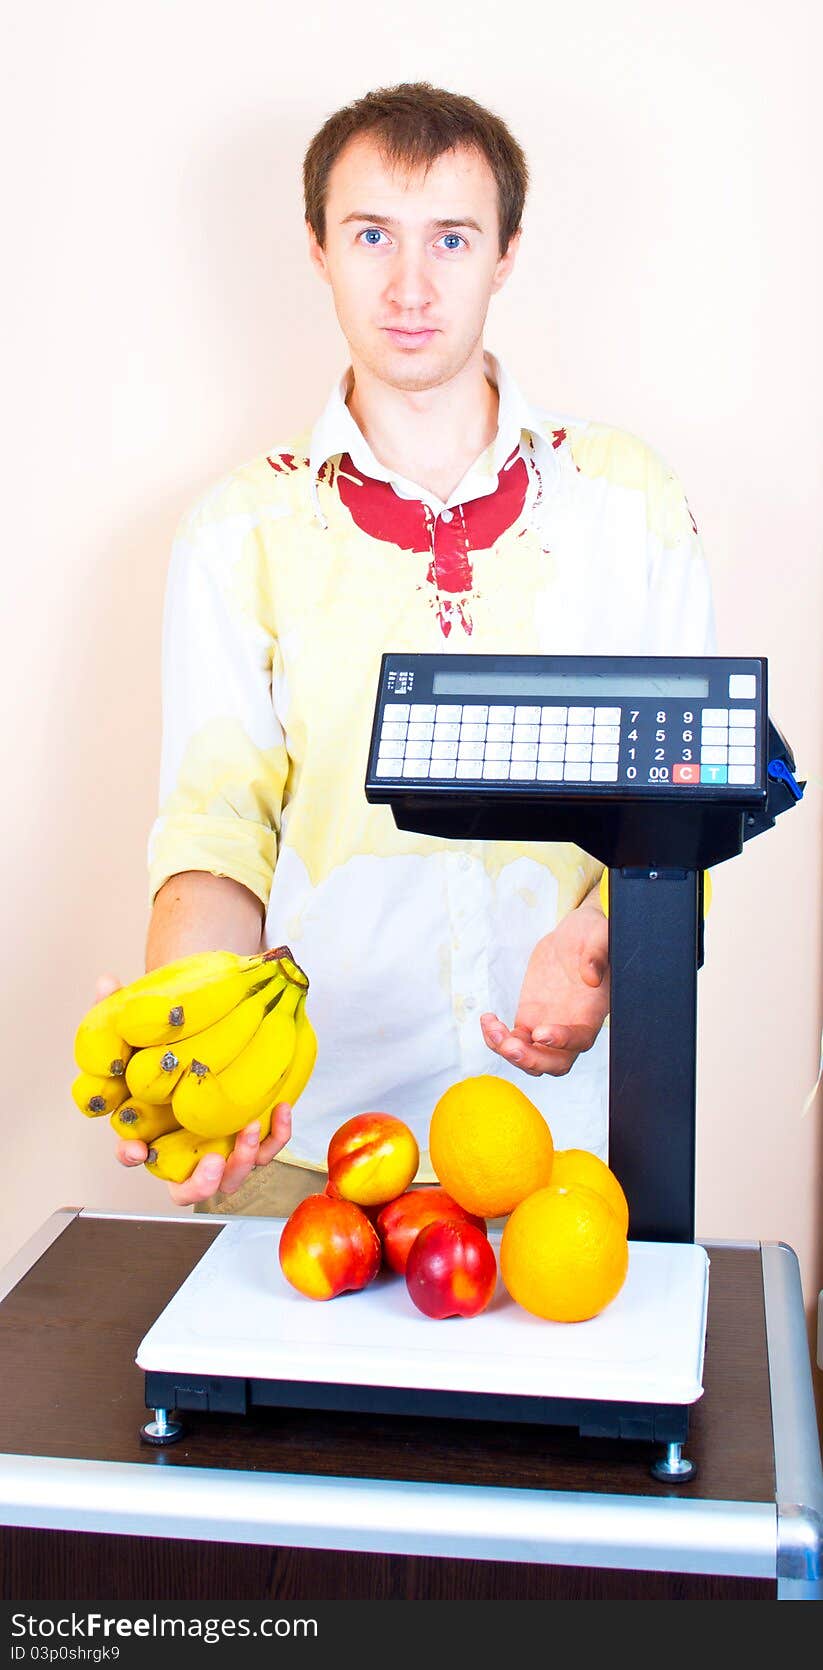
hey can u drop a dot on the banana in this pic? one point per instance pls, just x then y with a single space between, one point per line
97 1093
300 1067
212 1050
143 1120
220 1104
168 1004
99 1047
174 1157
153 1072
304 1055
216 961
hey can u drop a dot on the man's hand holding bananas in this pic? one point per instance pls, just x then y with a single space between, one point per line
198 1065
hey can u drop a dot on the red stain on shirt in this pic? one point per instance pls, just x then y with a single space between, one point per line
411 524
558 437
285 462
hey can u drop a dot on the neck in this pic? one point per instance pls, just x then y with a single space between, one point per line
430 436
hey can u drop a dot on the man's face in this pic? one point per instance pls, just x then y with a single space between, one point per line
413 261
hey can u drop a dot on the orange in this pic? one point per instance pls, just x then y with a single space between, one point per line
577 1165
563 1254
489 1145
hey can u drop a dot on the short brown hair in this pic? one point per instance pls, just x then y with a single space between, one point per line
414 124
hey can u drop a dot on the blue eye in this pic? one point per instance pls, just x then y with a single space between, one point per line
372 234
452 240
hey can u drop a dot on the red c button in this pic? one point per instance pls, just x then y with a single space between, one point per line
684 772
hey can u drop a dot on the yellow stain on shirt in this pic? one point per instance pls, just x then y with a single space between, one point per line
226 804
224 774
323 604
625 461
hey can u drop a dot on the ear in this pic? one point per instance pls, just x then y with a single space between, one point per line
506 262
317 255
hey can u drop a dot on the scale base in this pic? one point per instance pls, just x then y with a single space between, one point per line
221 1394
236 1338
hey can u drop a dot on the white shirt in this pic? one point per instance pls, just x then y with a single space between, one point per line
287 583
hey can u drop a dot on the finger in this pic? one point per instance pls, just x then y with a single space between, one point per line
132 1152
593 969
243 1157
567 1038
523 1050
213 1172
104 985
511 1044
278 1136
535 1059
205 1180
493 1029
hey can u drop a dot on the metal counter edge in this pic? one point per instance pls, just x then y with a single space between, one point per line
798 1471
37 1244
563 1527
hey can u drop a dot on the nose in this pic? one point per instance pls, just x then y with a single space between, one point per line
409 285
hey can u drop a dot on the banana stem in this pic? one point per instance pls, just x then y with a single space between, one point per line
283 955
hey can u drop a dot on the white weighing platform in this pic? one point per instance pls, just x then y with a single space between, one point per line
237 1316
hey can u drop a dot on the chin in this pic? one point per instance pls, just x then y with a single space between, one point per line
413 371
414 382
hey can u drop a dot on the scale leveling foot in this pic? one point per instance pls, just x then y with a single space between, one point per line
161 1430
673 1468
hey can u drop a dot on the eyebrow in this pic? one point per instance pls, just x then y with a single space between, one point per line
386 220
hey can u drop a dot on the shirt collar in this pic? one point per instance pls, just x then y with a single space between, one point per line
336 432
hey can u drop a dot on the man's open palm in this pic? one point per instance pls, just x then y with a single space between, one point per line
564 998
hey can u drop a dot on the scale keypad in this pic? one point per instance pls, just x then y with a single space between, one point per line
499 743
642 743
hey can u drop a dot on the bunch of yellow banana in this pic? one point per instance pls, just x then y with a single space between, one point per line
188 1054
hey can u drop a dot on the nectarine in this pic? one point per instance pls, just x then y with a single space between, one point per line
400 1221
372 1158
451 1269
329 1247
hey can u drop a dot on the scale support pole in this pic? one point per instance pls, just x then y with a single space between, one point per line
654 950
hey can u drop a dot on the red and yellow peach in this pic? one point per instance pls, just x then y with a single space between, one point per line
372 1158
400 1221
329 1247
451 1269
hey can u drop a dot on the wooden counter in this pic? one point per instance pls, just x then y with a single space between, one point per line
69 1329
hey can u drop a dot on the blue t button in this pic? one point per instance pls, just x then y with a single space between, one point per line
713 774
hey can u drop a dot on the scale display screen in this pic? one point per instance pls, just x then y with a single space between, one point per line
594 685
653 727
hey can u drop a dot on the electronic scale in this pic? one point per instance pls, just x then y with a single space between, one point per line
660 767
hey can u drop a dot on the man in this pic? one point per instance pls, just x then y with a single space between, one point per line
429 509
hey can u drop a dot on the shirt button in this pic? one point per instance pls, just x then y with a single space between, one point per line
465 862
470 1002
446 515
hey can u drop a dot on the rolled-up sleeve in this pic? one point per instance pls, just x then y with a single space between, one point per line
224 762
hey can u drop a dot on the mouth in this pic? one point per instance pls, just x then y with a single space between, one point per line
410 339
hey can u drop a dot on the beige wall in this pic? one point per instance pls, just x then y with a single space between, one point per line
163 326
